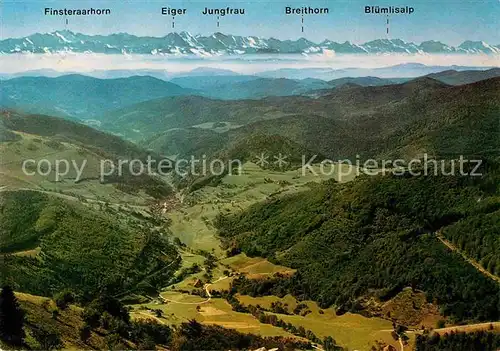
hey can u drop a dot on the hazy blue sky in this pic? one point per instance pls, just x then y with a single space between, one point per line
448 21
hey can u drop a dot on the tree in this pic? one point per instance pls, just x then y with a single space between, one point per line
11 318
114 342
64 298
329 344
192 328
85 332
147 344
48 340
91 317
158 313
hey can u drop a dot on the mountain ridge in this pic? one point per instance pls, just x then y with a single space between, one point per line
184 43
77 95
387 122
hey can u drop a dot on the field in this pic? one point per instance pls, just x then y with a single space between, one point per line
469 328
192 222
349 330
215 311
255 265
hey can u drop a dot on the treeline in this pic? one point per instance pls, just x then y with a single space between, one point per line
194 336
329 344
376 234
107 145
133 184
459 341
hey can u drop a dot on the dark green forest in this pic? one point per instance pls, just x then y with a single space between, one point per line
373 236
459 341
82 249
479 237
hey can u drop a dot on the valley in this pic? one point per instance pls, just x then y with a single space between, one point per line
278 253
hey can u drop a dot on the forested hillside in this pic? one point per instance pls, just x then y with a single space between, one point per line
87 251
479 237
76 96
284 256
394 121
373 236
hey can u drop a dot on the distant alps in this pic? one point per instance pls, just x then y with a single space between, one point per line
184 43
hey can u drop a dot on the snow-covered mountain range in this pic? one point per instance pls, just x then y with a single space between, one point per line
184 43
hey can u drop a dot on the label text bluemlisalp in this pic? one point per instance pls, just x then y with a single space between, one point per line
389 10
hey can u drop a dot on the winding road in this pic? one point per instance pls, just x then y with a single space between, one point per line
205 287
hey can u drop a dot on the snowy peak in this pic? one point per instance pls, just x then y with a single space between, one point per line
184 43
391 45
478 47
432 46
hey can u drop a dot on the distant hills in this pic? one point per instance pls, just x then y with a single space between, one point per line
86 98
399 120
214 76
405 70
184 43
143 120
230 87
82 96
453 77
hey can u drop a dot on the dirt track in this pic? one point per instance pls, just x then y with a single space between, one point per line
205 287
468 259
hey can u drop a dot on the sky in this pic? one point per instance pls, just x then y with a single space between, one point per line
451 22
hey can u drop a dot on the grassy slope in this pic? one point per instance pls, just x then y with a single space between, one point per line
49 138
64 130
349 330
